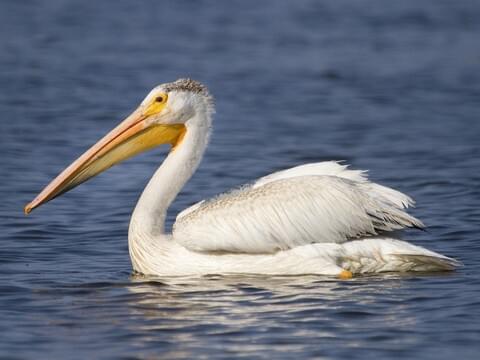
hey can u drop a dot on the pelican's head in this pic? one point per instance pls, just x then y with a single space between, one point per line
163 117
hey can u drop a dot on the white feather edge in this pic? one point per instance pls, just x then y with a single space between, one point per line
336 168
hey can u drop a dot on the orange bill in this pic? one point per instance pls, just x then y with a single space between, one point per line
134 135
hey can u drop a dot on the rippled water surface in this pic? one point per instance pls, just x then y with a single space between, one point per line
393 87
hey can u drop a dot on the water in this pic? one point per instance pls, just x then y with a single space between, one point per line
393 88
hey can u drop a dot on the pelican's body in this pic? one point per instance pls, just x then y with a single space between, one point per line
317 218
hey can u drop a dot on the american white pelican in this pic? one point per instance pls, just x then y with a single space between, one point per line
316 218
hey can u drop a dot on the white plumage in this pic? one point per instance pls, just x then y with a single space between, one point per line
320 218
299 206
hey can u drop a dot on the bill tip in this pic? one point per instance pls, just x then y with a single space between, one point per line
27 209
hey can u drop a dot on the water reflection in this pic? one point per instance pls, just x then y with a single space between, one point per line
281 311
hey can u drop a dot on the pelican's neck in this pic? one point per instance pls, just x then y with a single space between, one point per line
148 219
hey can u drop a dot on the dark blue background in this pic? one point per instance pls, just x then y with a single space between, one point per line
393 87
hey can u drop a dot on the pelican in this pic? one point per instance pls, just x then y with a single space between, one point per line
319 218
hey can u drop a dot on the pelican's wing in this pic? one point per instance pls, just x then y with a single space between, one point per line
332 168
284 210
335 168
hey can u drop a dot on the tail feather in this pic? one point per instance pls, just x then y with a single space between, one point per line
428 263
375 255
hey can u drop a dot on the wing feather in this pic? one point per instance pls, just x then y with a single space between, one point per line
332 168
288 211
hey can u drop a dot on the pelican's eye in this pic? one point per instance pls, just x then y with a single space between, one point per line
156 105
161 98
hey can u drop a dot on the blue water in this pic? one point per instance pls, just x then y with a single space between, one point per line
393 87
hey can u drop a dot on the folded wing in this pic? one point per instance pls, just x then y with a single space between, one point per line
313 203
